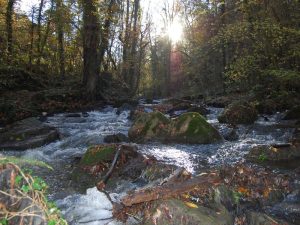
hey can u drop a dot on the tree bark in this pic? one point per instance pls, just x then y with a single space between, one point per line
39 31
91 41
9 26
60 38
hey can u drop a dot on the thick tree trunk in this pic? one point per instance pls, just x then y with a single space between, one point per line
9 26
91 41
60 38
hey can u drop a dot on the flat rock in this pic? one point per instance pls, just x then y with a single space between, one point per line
25 134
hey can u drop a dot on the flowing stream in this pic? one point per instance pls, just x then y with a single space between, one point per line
81 206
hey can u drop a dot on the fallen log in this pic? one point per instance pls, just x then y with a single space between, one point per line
170 190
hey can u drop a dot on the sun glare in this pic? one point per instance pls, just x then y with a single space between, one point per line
175 31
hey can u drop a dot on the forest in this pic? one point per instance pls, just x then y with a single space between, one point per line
149 112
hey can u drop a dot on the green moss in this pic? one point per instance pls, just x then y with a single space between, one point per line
149 126
97 154
22 162
193 128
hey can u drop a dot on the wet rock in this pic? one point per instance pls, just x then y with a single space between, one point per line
180 106
25 134
293 114
230 135
289 208
174 211
73 115
255 218
99 153
226 197
102 155
190 128
239 112
125 107
149 126
276 153
116 138
157 172
201 109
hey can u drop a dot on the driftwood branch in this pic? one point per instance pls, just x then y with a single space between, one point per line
101 184
170 190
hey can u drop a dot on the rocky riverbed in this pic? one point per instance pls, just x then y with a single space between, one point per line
263 192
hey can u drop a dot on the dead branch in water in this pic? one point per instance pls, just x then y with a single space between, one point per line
170 190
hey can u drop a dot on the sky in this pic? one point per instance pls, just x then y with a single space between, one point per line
155 7
25 5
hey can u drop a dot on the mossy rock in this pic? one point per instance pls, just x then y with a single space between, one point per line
149 126
192 128
99 153
293 114
239 112
265 153
189 128
184 215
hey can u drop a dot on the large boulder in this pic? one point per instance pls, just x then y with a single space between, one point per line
275 153
25 134
116 138
239 112
174 211
149 126
190 128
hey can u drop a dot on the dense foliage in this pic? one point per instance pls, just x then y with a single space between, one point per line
228 45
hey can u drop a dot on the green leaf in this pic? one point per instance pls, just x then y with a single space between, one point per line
18 179
25 188
36 186
3 221
51 222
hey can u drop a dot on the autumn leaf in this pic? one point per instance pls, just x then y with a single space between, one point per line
191 205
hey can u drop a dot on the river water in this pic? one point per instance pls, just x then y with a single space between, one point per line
81 206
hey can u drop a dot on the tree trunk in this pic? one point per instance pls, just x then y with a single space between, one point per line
9 28
39 31
91 41
105 34
60 38
31 38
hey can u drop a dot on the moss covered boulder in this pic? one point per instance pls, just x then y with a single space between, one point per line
275 153
189 128
99 153
192 128
149 126
239 112
174 211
